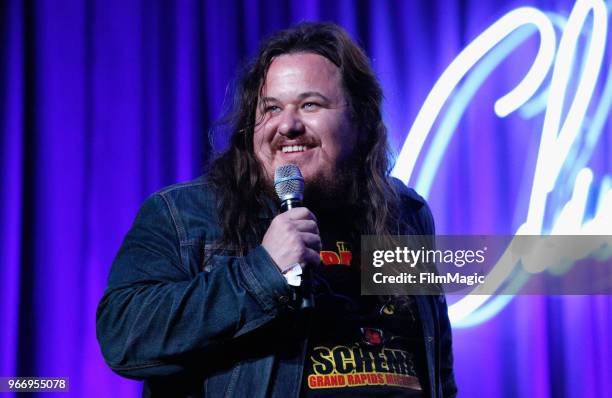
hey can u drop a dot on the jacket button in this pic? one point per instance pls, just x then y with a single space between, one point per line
283 299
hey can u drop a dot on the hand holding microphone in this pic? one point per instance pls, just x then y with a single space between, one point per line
293 236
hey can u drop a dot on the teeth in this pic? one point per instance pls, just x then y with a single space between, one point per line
294 148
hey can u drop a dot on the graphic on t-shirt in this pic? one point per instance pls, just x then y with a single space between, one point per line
387 309
372 336
358 345
359 365
341 257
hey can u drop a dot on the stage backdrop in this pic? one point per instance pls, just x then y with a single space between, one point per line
104 102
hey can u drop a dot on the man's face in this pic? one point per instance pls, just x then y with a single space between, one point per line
303 119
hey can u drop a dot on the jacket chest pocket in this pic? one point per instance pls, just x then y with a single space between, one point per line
212 256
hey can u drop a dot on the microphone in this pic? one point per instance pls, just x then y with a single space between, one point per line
289 186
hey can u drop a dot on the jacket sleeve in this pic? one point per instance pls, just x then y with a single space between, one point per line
447 375
153 312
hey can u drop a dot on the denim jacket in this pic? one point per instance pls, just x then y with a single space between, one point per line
224 327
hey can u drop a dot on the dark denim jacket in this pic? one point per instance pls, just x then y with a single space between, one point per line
225 326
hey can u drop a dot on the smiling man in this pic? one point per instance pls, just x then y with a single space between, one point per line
198 303
304 119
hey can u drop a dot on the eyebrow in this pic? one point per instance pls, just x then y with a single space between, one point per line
300 97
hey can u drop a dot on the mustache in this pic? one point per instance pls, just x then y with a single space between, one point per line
278 143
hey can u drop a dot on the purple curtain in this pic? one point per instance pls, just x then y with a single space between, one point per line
104 102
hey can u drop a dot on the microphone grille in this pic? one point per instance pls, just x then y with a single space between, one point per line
289 183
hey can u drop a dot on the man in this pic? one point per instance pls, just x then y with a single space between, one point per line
198 303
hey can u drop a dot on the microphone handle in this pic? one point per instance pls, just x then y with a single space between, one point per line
289 204
305 290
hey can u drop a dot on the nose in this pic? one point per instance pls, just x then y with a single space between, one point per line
290 125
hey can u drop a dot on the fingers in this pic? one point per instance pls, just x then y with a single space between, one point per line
312 241
300 213
306 226
306 251
311 257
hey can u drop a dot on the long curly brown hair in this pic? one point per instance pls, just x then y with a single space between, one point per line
239 179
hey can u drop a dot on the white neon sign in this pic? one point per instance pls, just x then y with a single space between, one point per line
558 136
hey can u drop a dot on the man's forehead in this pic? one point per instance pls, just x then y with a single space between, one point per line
303 59
301 75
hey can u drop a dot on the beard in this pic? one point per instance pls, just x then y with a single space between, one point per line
325 192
